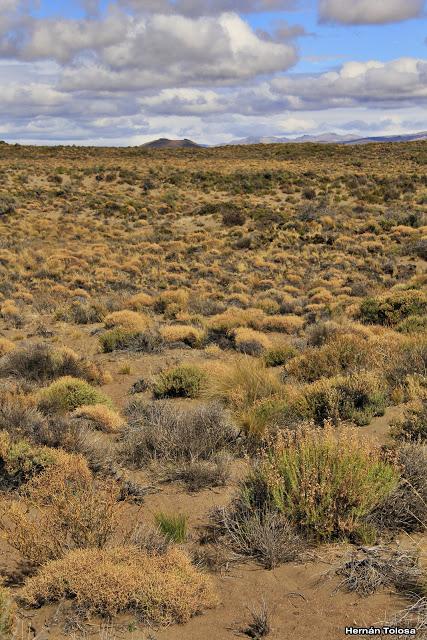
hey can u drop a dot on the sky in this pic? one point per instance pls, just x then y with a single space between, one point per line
123 72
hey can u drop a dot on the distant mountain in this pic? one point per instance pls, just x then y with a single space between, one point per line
327 138
165 143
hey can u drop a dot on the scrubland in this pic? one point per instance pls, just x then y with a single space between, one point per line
213 391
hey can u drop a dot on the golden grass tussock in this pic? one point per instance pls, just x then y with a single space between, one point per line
127 320
163 589
192 336
6 346
101 417
140 301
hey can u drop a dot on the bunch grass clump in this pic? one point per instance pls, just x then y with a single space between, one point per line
173 527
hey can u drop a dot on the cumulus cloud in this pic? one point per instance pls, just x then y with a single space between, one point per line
209 7
369 11
371 83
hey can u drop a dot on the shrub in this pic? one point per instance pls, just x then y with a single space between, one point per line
326 482
406 507
159 431
232 216
163 589
122 340
20 461
279 356
67 394
7 205
40 363
61 509
342 354
250 342
185 381
369 569
100 417
391 309
21 419
173 527
413 426
7 615
140 301
358 397
265 535
183 333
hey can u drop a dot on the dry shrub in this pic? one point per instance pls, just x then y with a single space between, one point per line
390 309
20 461
413 426
340 355
265 535
250 342
100 417
67 394
61 509
127 320
7 615
6 346
40 363
172 301
326 481
233 318
20 418
187 334
370 569
193 439
406 507
163 589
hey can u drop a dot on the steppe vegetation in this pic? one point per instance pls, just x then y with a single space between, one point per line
213 370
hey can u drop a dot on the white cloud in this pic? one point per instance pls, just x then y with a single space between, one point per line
369 11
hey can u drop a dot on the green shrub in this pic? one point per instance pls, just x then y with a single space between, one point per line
7 615
391 309
413 425
279 356
325 481
412 324
173 527
19 460
119 339
357 397
67 394
184 381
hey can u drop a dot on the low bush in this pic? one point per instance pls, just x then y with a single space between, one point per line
341 355
413 426
279 356
6 346
265 535
406 507
61 509
184 381
162 589
67 394
357 398
391 309
120 339
21 419
184 436
41 363
324 481
283 324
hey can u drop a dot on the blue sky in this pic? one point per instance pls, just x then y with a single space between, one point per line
210 69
